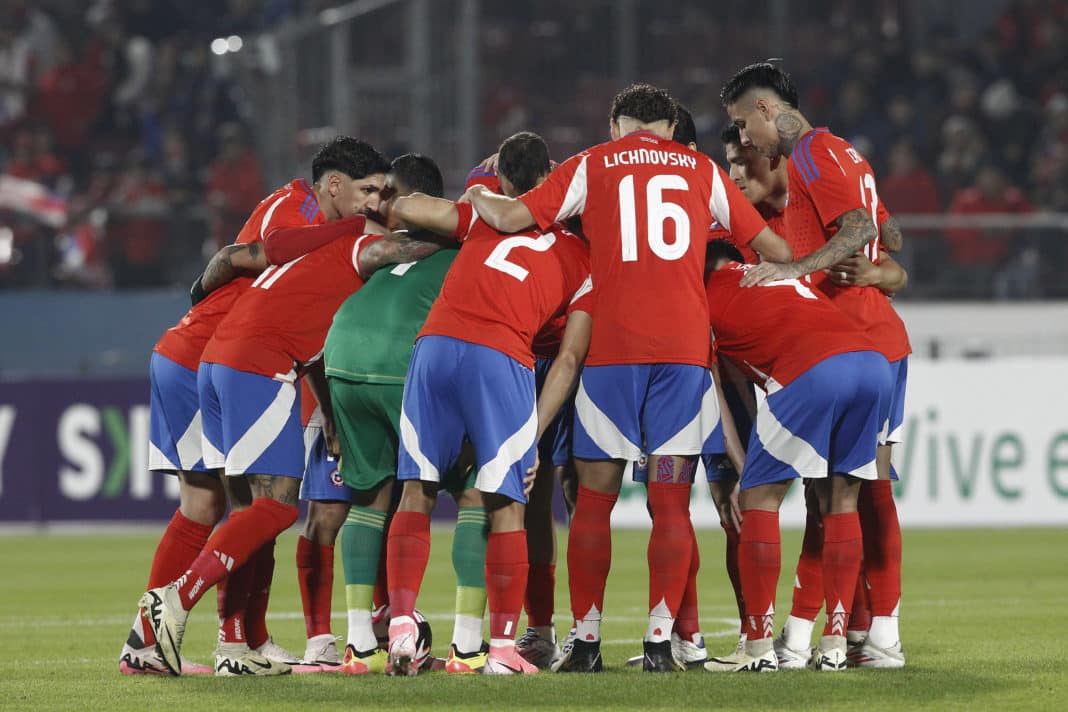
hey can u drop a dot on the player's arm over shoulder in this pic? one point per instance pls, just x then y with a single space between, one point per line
228 263
435 214
397 248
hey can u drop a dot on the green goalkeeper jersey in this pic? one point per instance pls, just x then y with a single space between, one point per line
373 333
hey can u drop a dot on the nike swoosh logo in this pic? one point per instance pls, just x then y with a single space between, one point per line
509 667
257 663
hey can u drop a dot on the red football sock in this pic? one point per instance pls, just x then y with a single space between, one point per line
842 550
670 545
180 544
233 544
733 538
589 551
506 581
315 575
541 590
759 561
408 550
232 595
381 583
260 595
808 588
882 546
688 624
860 616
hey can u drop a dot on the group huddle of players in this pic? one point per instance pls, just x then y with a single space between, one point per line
366 342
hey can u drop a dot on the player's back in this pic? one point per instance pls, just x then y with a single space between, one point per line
778 330
373 332
291 205
282 319
646 204
502 289
828 178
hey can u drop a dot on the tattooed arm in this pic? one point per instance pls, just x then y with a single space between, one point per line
855 229
228 263
398 248
890 233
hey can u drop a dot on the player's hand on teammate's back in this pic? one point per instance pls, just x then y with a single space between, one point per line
768 272
855 271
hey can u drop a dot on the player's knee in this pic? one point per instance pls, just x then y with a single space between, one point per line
324 521
202 498
418 496
505 514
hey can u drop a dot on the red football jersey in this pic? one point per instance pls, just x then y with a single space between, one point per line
774 219
292 205
280 323
646 205
828 178
777 331
502 289
308 404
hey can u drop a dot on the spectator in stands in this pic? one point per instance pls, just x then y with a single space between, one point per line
991 193
235 185
137 226
908 187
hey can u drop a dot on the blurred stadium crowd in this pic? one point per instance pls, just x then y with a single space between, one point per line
126 147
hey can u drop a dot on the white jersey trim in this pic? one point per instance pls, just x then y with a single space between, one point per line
718 202
270 212
575 198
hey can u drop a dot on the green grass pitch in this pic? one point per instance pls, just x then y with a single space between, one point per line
983 622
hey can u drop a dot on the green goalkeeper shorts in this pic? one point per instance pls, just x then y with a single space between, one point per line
367 416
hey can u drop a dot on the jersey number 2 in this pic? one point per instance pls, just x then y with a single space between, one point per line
498 259
657 212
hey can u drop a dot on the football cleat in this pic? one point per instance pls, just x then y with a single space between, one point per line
506 660
363 663
165 615
754 656
322 651
830 654
580 656
657 657
855 638
273 651
868 655
403 642
466 663
691 653
238 660
790 659
144 660
537 650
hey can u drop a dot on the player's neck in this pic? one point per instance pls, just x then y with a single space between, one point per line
791 126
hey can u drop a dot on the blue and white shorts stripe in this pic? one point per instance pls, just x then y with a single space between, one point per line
251 422
322 481
826 421
456 389
660 408
173 418
896 417
555 443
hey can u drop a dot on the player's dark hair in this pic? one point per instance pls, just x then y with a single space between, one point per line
348 155
646 103
764 75
730 134
717 250
419 173
685 128
523 159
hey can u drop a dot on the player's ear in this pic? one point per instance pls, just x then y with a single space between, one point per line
764 108
613 129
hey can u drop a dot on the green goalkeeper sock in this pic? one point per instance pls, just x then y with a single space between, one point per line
361 547
469 562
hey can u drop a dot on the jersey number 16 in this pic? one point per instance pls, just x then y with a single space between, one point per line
657 212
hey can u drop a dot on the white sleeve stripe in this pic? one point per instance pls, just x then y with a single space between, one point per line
575 199
270 212
356 256
718 202
474 218
585 288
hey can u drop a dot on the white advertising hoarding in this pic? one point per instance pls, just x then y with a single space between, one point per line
985 444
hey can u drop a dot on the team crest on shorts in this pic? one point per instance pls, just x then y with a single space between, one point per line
335 479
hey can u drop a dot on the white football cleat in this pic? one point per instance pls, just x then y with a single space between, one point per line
754 656
239 660
830 654
273 651
790 659
322 651
164 613
537 650
868 655
147 661
403 643
691 653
